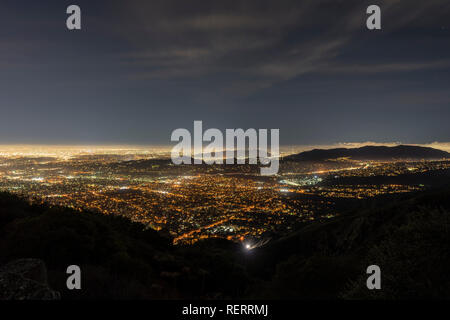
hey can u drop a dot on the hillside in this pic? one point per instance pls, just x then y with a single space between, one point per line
407 236
118 258
403 152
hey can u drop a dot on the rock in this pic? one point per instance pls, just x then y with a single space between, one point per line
25 279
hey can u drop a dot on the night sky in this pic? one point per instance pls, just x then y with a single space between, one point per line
140 69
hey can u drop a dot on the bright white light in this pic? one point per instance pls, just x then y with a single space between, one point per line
247 246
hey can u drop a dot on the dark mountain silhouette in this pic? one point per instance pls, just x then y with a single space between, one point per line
406 235
401 152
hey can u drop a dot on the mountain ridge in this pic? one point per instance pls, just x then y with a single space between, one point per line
404 152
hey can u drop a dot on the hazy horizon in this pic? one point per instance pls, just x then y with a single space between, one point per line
164 150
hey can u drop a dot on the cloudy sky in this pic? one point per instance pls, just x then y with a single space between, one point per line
140 69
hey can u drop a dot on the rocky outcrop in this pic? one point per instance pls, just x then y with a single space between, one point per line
25 279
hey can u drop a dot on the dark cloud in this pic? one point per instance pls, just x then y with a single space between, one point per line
139 69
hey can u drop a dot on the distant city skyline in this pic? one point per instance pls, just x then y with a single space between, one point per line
138 70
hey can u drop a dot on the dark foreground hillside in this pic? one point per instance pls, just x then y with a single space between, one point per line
408 238
118 258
